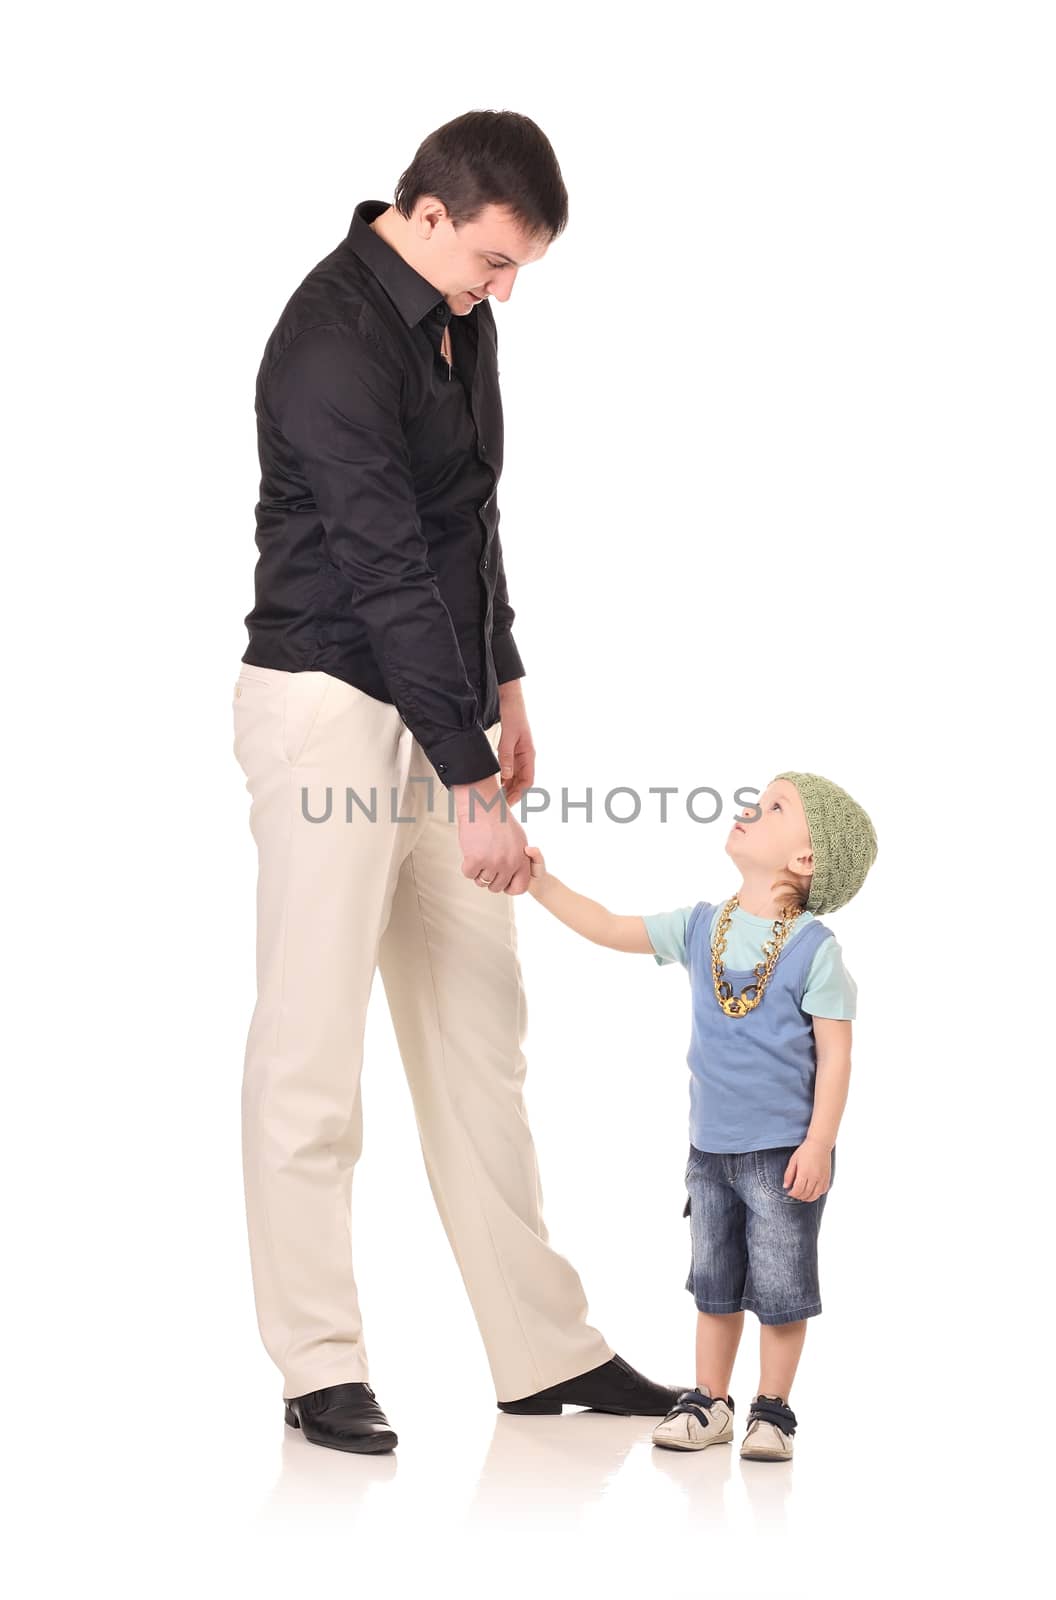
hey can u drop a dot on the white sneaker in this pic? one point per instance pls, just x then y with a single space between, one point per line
768 1436
698 1419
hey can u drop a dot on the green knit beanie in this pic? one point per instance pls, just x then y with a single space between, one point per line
841 836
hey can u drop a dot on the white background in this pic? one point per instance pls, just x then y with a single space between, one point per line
777 494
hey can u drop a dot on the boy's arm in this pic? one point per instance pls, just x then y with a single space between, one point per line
590 919
832 1036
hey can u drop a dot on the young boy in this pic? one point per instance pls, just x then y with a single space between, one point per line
769 1059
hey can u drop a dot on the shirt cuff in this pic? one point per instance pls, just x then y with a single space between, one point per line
507 658
464 757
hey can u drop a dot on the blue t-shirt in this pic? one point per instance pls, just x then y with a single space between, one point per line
752 1077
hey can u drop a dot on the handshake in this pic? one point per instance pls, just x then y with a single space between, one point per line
517 884
500 859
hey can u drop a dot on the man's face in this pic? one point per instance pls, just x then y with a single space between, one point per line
478 259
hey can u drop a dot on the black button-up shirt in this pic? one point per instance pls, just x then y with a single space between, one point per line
377 524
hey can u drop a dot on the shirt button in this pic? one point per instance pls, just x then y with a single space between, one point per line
485 560
441 766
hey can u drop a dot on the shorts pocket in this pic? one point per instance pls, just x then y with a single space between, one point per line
694 1161
770 1168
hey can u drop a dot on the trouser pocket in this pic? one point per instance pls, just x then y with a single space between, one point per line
274 715
301 706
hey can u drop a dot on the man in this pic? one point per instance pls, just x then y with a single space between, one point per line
380 686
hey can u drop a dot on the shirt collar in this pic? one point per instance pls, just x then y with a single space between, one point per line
411 294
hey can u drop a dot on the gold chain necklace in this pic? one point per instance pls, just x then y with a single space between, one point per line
752 993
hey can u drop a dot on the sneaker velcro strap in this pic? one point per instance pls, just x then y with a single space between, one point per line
773 1411
693 1401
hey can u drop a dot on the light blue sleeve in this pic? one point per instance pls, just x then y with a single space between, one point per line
830 990
667 935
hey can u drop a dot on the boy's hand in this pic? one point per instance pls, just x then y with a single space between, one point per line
809 1170
538 867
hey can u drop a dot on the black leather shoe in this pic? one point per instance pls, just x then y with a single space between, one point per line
614 1386
345 1416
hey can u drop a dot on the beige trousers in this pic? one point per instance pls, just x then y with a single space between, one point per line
336 899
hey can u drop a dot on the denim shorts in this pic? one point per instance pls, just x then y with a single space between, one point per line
755 1247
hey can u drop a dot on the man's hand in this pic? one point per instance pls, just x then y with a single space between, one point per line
516 752
492 843
809 1170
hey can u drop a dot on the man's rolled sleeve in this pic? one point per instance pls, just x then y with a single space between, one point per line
336 398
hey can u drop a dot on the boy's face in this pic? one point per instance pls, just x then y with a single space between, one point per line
779 838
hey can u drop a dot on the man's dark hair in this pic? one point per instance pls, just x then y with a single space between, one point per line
487 158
